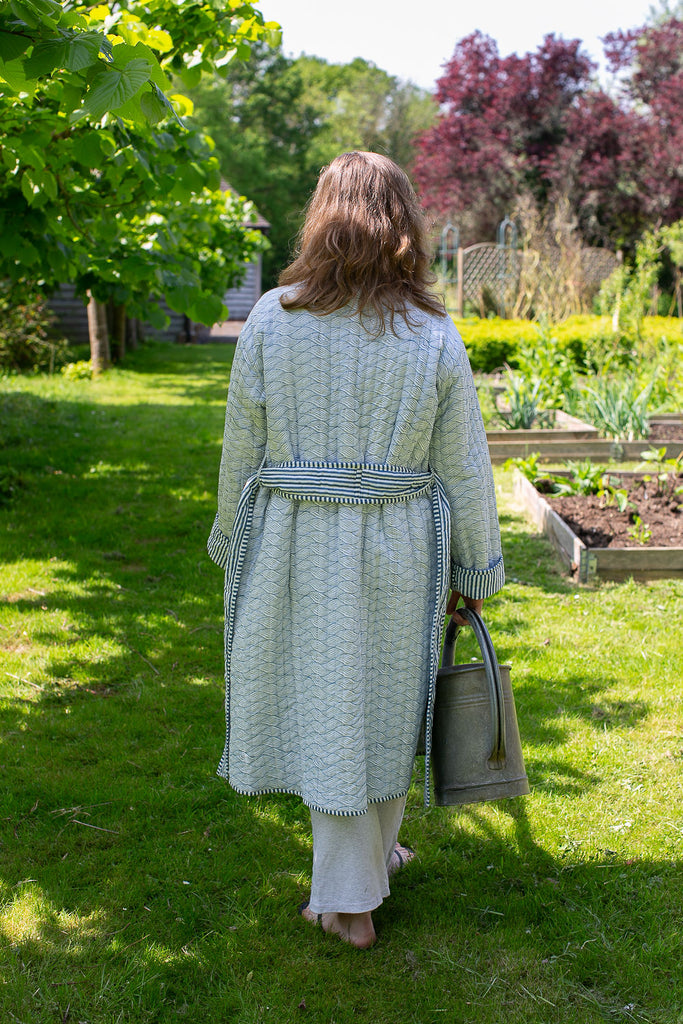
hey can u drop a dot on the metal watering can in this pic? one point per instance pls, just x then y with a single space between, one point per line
476 748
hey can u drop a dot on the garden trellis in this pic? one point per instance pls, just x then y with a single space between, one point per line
467 274
486 275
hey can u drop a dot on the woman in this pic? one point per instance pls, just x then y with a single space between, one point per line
355 488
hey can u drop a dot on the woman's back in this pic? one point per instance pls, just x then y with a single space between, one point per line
355 487
335 392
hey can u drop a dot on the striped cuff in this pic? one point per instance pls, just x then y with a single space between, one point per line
478 583
218 545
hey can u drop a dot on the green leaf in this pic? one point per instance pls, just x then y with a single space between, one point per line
190 178
157 318
32 156
45 58
13 45
191 77
107 142
87 149
29 189
111 88
71 98
70 19
132 110
37 185
181 297
25 13
273 36
183 105
160 40
49 184
15 247
36 12
12 72
84 50
207 309
124 54
153 107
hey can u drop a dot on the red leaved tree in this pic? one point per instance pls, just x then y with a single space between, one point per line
501 122
539 125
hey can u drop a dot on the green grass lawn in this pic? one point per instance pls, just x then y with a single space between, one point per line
136 887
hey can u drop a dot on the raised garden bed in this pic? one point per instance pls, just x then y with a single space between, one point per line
595 540
572 439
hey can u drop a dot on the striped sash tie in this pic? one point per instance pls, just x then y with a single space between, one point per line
345 483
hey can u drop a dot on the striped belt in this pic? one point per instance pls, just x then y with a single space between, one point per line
345 483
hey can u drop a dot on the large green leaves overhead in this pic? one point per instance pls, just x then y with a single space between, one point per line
91 190
113 86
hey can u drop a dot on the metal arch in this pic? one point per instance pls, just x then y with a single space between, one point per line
480 245
448 249
504 227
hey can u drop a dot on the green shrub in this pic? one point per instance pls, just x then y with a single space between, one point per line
27 339
588 342
81 370
493 342
524 399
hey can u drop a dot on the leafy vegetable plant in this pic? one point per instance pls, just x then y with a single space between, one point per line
524 398
617 407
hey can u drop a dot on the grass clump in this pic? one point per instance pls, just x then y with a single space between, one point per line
136 888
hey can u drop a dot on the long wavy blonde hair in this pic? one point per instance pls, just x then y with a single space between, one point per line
363 243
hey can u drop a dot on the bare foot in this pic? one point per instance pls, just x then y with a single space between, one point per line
399 858
356 929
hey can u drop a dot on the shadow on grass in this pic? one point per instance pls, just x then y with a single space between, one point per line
182 369
200 921
142 890
531 559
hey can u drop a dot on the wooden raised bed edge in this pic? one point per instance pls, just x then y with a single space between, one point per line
585 564
557 451
580 441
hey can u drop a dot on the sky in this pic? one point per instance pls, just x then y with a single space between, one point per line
412 39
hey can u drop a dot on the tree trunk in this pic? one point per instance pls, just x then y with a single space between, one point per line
132 333
120 331
100 356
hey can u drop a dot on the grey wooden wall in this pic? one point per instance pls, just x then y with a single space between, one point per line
72 318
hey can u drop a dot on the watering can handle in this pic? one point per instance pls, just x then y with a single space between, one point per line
497 756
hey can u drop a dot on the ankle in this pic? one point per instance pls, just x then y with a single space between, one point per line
358 929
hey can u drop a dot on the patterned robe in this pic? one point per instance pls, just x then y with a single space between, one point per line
335 598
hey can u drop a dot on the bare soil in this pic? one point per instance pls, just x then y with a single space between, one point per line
665 432
604 526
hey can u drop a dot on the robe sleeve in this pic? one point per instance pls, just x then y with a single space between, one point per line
459 455
244 437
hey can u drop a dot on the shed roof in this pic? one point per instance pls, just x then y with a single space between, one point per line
261 223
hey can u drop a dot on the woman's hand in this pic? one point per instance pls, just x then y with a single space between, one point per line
475 603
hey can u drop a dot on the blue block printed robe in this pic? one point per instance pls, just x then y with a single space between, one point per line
357 452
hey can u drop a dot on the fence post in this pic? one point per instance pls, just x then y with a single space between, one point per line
460 305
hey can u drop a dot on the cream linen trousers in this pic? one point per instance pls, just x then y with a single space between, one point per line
351 857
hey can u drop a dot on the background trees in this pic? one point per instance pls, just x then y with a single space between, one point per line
100 182
540 125
107 180
276 121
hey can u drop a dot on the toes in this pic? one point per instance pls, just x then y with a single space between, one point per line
401 856
309 915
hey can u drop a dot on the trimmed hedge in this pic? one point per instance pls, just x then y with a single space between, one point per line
491 343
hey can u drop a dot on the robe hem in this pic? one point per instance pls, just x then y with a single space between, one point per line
314 807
